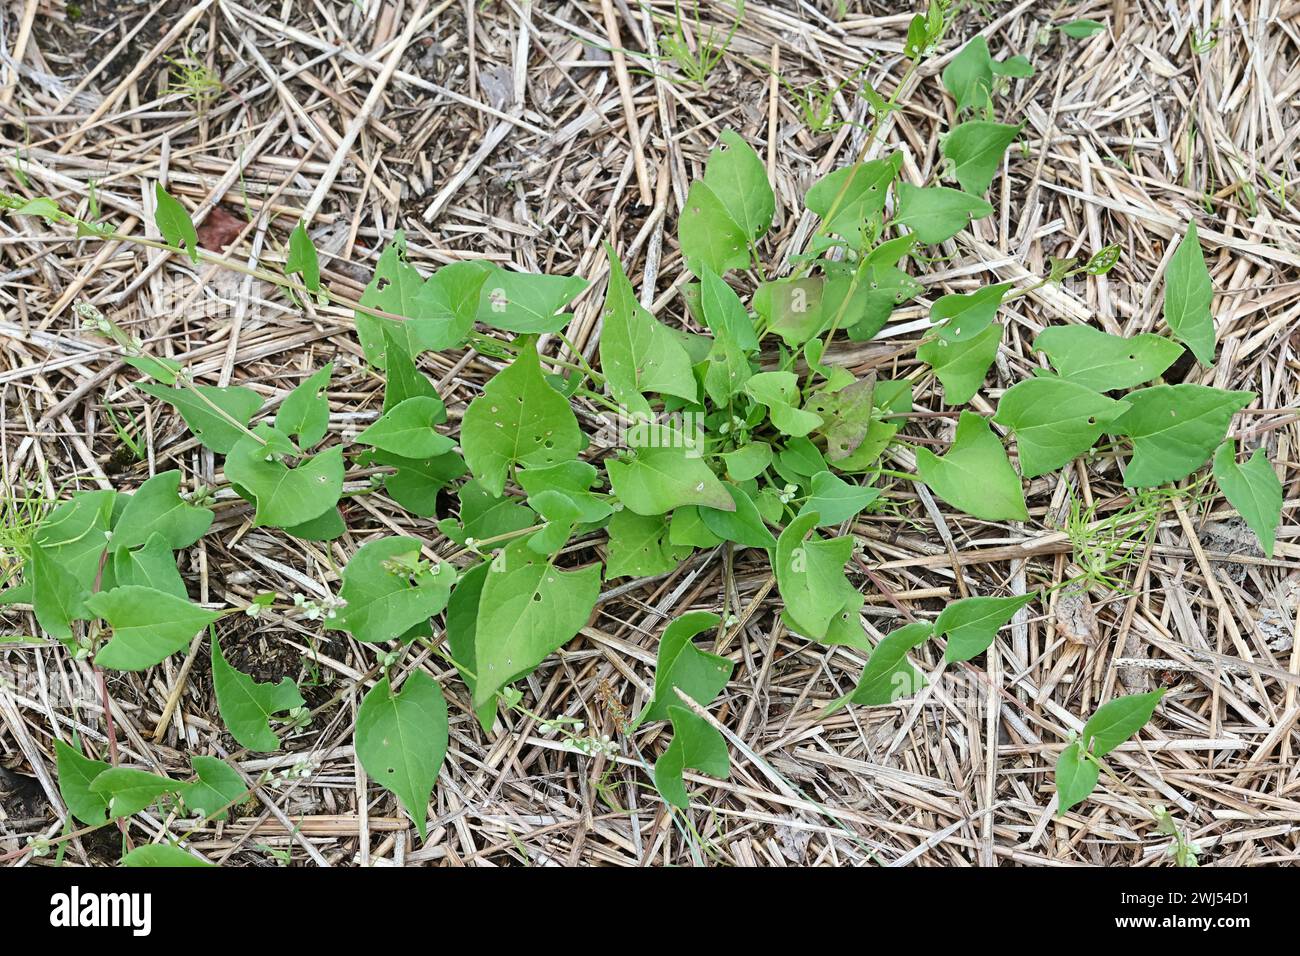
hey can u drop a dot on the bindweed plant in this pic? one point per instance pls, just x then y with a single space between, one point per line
743 435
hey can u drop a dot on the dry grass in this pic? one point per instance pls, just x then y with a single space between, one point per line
507 130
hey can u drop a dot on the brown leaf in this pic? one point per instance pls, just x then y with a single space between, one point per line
219 229
1075 617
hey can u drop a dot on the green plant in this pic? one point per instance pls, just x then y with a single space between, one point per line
694 49
712 451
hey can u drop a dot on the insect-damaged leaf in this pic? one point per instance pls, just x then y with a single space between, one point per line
401 740
305 412
529 607
856 193
285 496
659 479
518 420
639 546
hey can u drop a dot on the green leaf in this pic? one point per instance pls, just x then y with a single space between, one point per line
1174 429
416 482
394 289
696 745
966 316
247 707
889 676
937 213
148 625
528 609
302 259
405 381
74 534
407 429
76 773
573 479
976 148
305 412
401 740
462 628
638 353
1082 29
681 664
162 855
971 623
58 598
975 475
1102 361
961 366
658 479
152 565
1117 720
779 391
161 369
820 603
218 786
483 515
968 77
175 224
157 508
727 210
1188 293
743 525
1055 421
559 517
687 529
792 308
391 592
857 192
1253 489
518 420
447 305
126 791
525 302
217 431
1076 778
639 546
835 500
285 496
748 461
724 313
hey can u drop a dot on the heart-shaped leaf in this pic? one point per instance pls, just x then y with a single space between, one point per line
1174 429
1055 421
1253 489
247 707
391 592
1101 361
971 623
975 475
148 626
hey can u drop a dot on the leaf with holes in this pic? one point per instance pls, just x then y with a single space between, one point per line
148 626
856 193
1054 421
820 603
528 609
393 289
1174 429
1253 489
305 412
174 222
1101 361
971 623
975 475
1188 294
727 210
963 317
391 592
937 213
218 417
247 706
518 420
659 479
401 740
285 496
525 302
